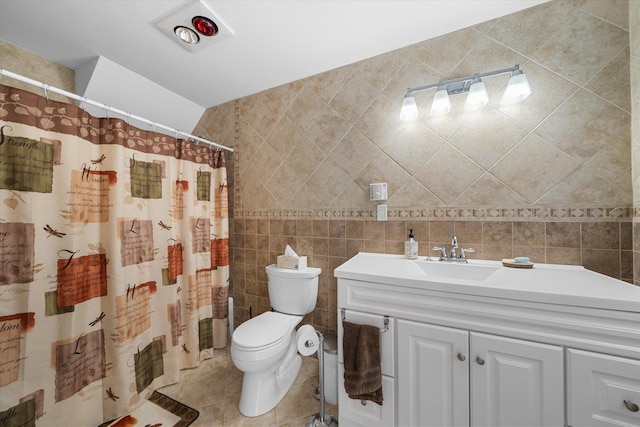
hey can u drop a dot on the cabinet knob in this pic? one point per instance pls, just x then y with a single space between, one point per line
461 357
479 360
363 402
631 406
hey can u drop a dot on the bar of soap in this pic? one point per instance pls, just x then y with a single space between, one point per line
521 259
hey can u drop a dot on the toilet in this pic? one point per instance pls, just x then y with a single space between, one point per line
265 348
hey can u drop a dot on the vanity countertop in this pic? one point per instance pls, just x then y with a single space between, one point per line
545 283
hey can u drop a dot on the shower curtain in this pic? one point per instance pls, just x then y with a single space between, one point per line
114 265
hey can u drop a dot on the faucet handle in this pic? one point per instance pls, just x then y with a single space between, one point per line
443 251
463 250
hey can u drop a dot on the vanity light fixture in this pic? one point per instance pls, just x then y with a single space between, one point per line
517 90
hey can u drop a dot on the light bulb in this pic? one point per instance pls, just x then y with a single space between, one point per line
517 89
409 110
477 97
441 103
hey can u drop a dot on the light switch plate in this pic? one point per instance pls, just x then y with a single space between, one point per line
378 191
381 213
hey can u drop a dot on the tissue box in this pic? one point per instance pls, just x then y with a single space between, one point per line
295 263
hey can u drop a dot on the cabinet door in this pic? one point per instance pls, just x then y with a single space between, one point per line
433 375
602 390
515 383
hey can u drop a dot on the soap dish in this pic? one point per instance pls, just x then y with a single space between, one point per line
513 264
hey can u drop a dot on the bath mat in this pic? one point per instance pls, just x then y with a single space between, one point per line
158 410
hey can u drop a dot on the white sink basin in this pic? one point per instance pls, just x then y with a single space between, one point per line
452 270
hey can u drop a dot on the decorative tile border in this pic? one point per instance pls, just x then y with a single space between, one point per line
532 213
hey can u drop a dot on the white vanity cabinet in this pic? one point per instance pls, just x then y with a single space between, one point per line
548 346
452 377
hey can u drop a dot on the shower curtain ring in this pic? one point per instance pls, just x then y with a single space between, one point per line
46 91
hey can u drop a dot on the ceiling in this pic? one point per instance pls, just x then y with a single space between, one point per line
273 42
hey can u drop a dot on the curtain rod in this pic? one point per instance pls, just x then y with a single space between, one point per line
49 88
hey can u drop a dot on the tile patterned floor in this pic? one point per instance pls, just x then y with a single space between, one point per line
214 390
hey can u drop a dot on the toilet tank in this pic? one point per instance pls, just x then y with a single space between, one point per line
292 291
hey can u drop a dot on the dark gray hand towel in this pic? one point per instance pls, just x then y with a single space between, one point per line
362 370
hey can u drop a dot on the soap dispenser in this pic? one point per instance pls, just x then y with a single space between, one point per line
411 247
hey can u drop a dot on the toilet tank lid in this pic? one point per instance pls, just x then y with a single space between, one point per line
305 273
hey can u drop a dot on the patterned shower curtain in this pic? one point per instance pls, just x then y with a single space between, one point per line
114 262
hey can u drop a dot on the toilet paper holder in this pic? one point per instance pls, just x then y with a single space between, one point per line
320 419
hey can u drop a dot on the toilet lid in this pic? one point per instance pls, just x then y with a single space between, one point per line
265 330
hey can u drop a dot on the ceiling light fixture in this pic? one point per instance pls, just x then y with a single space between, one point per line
517 90
193 25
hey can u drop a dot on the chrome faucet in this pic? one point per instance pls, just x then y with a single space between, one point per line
453 257
454 246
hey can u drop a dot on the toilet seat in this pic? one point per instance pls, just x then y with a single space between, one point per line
268 330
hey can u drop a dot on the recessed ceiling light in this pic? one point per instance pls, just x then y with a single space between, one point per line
185 34
204 26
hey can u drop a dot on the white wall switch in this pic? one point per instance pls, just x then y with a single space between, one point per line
382 213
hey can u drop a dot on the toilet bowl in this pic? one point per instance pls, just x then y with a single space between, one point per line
265 348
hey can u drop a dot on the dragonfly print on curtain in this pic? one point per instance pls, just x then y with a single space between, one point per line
114 265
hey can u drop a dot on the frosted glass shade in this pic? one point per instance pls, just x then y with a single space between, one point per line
409 110
517 89
441 103
477 97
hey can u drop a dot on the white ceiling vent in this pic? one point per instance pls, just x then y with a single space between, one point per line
194 26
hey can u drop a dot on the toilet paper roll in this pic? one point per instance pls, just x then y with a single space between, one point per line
305 334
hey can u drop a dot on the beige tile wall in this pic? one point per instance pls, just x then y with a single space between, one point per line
541 177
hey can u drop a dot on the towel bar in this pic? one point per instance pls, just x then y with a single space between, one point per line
382 331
